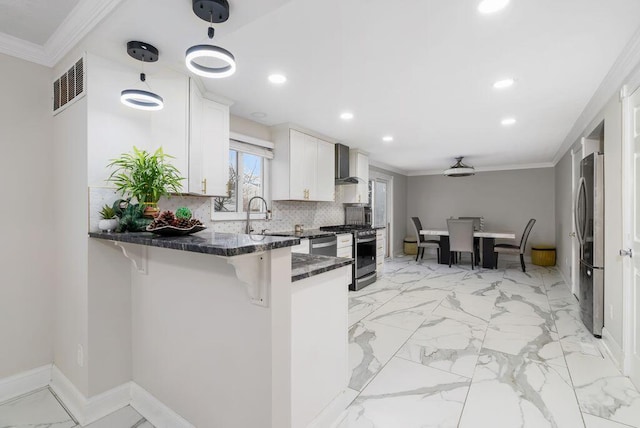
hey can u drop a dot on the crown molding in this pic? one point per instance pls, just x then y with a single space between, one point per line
487 168
80 21
387 167
622 69
22 49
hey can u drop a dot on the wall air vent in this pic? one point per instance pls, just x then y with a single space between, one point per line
69 87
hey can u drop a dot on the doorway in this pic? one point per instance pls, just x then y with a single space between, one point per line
381 186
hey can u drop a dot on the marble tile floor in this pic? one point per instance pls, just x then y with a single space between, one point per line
433 346
42 409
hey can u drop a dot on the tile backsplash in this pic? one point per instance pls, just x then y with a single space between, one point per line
286 214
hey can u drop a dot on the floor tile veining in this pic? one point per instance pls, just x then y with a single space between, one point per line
433 346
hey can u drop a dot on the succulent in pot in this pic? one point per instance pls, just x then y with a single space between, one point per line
109 222
145 176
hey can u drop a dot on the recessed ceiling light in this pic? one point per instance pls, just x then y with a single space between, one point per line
347 115
258 115
504 83
491 6
278 79
508 121
387 138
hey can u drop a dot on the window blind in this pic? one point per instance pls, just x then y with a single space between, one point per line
252 149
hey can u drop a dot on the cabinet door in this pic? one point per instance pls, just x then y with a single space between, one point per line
302 164
362 171
325 183
208 146
297 156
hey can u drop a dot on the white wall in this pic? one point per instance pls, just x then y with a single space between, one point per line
26 272
70 186
564 215
199 346
506 200
249 127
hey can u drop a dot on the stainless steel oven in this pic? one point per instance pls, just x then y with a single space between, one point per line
364 249
364 253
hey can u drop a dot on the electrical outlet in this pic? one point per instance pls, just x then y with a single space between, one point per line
80 356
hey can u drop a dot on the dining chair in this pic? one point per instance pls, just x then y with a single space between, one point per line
513 248
461 238
422 241
478 225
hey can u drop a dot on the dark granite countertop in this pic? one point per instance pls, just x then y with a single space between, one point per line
207 242
307 265
311 233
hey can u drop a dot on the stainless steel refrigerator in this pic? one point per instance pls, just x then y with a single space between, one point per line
589 221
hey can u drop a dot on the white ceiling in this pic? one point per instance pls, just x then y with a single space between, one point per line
420 70
33 20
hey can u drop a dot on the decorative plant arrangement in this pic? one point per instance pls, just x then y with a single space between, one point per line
145 176
131 216
180 223
109 222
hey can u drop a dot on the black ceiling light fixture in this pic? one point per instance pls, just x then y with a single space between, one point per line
138 98
459 169
212 11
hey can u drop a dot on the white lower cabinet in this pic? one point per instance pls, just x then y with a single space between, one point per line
344 245
380 250
302 247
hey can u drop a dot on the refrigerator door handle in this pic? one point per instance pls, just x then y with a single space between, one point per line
581 195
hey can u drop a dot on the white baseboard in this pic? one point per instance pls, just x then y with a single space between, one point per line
612 348
154 410
87 410
328 417
21 383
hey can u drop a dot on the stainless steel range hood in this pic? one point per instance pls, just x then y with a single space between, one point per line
342 167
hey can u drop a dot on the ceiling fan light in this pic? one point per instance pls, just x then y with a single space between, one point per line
459 169
208 51
141 100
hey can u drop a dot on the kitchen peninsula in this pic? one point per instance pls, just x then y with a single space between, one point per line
230 330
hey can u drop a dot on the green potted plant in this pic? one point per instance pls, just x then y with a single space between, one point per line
146 177
109 221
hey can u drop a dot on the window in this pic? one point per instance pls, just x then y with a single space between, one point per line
248 177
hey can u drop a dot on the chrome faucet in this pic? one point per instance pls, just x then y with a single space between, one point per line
249 229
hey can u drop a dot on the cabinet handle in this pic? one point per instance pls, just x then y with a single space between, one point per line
204 186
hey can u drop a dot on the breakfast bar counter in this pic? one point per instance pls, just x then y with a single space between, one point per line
249 322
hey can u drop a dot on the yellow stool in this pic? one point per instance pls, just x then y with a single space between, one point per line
543 255
410 246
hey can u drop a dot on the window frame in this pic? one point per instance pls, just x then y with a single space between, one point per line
266 182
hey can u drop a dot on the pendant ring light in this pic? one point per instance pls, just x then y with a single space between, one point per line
138 98
212 11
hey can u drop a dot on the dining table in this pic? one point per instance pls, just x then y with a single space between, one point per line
487 241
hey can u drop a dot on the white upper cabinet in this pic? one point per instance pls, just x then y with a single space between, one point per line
358 167
303 167
325 184
208 145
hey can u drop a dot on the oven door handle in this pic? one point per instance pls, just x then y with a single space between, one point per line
364 241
